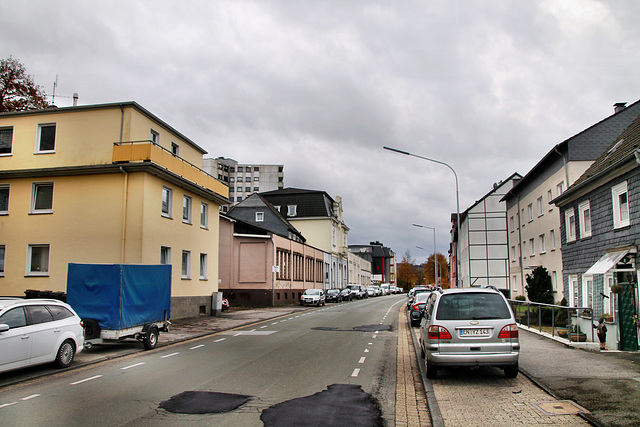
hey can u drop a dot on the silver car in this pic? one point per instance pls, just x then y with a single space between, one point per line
313 297
35 331
469 327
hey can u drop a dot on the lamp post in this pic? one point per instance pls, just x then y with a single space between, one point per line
435 252
457 202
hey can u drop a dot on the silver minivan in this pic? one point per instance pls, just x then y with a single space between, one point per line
469 327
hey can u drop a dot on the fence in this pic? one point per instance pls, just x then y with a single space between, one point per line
557 320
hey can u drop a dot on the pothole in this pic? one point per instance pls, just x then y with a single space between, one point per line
204 402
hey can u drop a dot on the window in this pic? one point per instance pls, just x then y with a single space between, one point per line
4 199
256 178
549 198
203 266
587 291
620 205
232 179
186 209
513 254
204 215
560 188
175 149
256 169
256 188
239 199
512 224
239 189
532 244
232 190
573 291
42 197
46 138
6 140
239 179
540 207
524 249
543 244
530 212
552 237
585 219
610 304
515 283
247 189
554 280
167 201
259 216
239 168
570 224
292 210
2 252
154 137
38 260
165 255
186 265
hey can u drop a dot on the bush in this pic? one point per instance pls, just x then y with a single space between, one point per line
561 315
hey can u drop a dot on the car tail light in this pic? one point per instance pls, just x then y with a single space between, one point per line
438 333
509 331
81 324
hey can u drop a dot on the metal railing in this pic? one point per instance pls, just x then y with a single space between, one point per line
557 320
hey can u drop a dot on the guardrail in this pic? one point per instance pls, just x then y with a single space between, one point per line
557 320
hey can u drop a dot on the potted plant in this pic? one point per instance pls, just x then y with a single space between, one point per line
616 289
606 317
577 335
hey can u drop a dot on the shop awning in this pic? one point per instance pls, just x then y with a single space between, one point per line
606 262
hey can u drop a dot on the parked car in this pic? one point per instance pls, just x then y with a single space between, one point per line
385 288
417 308
469 327
416 289
346 294
371 291
333 295
37 331
313 297
357 291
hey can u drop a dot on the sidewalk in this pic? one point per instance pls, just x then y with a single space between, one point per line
607 383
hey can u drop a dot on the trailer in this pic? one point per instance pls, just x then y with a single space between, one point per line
121 301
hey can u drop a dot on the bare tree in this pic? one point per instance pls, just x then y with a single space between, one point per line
17 89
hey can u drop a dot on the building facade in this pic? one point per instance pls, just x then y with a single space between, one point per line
105 183
245 179
359 269
534 222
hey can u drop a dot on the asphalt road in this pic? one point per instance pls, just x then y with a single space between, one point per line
288 371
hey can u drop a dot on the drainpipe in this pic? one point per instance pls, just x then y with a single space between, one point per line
519 247
564 162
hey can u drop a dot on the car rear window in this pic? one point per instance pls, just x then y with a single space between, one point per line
472 306
59 312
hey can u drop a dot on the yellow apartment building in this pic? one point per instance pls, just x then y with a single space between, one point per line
108 183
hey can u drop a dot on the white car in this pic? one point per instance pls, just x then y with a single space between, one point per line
36 331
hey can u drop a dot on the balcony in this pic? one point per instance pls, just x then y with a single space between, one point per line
147 151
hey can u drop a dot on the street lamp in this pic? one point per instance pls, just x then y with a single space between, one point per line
457 202
435 252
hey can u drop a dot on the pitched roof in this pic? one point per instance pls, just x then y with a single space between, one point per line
310 203
273 222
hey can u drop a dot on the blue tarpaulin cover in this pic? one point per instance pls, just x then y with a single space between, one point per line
120 296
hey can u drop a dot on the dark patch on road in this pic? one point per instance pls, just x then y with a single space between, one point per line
204 402
339 405
364 328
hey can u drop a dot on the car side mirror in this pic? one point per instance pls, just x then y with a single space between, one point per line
4 327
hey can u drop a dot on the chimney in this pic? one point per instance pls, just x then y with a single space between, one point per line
619 106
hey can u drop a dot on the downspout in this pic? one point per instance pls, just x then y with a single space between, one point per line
564 165
123 237
519 247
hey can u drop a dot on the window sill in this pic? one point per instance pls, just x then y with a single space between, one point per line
43 212
37 274
166 216
185 278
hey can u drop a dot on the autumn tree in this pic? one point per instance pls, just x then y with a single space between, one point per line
443 270
17 89
405 273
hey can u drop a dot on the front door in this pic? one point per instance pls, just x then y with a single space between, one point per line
628 313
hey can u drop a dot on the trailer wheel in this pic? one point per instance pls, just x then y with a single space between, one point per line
91 329
151 339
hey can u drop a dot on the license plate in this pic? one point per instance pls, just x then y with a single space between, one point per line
474 332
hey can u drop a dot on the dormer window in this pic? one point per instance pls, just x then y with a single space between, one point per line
292 210
259 216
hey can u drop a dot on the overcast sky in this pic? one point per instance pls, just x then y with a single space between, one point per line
488 87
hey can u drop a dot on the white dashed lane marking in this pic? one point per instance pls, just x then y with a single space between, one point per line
132 366
86 379
355 372
169 355
30 397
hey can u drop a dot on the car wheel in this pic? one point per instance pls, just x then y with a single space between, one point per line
301 303
432 371
65 355
414 323
511 371
151 340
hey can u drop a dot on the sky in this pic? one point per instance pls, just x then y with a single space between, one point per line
487 87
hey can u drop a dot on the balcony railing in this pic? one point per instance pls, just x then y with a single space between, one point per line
147 151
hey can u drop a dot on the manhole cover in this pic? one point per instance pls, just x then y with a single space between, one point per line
204 402
560 407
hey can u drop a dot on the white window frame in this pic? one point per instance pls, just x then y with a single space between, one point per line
187 209
39 138
513 254
34 196
165 255
560 188
204 215
154 137
515 283
175 149
552 237
9 141
587 291
530 212
30 254
611 304
203 266
584 210
540 207
169 192
543 244
512 224
621 214
572 299
554 280
8 188
3 254
570 225
292 210
259 216
549 199
185 265
532 243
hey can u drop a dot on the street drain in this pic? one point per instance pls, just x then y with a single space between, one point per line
338 405
204 402
560 407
